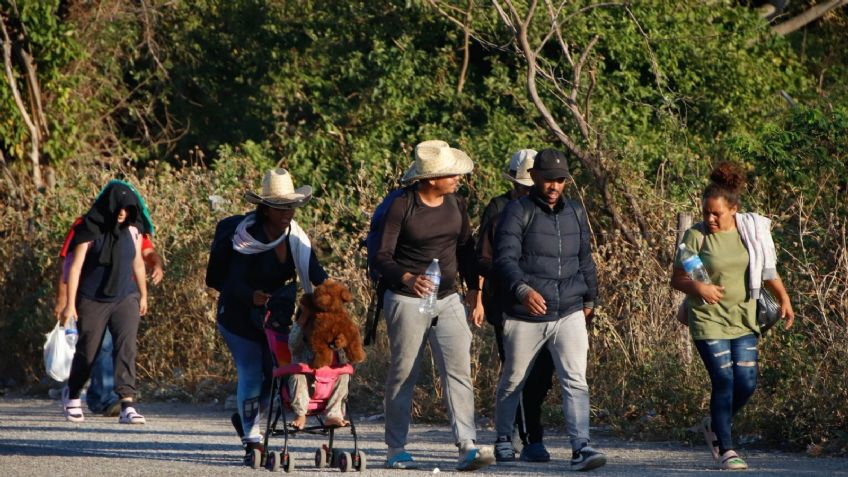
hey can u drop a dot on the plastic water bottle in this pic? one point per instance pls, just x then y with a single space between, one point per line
71 332
427 306
693 265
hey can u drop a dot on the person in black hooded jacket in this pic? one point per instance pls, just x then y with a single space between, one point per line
107 288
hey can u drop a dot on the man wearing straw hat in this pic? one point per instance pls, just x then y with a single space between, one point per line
542 252
430 221
528 418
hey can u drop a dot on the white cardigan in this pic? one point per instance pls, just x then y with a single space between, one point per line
755 231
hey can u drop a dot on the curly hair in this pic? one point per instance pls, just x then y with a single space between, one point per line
726 181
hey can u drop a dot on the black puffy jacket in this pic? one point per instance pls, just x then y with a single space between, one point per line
550 254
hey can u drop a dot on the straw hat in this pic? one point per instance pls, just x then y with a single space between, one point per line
437 159
519 167
278 191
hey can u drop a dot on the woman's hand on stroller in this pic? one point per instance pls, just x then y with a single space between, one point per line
260 298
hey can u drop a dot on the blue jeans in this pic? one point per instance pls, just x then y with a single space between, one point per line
101 389
732 366
254 369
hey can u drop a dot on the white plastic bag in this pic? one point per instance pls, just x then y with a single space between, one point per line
58 354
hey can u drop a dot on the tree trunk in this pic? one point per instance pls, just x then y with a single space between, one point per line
35 135
812 14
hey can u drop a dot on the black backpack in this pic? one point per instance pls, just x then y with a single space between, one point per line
220 252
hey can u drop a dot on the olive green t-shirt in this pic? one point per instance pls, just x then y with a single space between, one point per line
726 260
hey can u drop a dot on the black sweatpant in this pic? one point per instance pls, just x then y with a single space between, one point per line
122 318
529 415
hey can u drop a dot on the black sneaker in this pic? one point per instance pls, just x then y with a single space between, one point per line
535 452
587 459
504 451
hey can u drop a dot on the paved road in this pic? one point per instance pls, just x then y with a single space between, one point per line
184 439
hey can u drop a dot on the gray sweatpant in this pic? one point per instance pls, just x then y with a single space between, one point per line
568 342
450 343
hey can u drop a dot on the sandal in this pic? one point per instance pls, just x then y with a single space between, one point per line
73 410
710 437
130 416
730 460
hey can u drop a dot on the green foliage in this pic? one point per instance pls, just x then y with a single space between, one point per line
35 27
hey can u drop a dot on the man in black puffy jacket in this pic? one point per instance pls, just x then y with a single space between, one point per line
542 255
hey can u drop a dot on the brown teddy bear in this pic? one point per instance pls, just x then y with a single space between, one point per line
331 328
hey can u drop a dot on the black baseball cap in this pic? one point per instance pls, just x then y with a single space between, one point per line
551 164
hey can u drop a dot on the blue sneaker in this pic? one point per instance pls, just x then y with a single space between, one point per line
476 459
535 452
402 460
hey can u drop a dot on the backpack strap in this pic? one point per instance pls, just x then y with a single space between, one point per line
529 213
380 287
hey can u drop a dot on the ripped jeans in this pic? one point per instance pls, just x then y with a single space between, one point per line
732 366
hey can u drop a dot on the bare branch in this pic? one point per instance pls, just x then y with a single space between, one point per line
13 85
813 13
655 66
587 104
149 39
578 68
558 31
466 56
35 91
506 19
592 7
471 33
532 69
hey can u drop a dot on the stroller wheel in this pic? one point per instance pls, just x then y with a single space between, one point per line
361 463
273 462
334 457
256 459
320 458
345 462
288 463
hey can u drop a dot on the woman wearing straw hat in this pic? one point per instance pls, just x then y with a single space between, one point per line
273 251
434 226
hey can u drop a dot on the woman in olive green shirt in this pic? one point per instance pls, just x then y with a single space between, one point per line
738 254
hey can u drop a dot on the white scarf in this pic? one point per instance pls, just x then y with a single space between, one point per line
301 247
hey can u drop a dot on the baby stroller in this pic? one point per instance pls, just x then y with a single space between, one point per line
324 379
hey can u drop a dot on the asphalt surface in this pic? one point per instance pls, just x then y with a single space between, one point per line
185 439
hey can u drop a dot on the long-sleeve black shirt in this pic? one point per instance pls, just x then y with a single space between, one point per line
410 244
261 271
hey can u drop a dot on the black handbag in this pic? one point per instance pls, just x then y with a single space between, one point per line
768 311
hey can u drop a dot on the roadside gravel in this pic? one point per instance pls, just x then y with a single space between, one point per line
186 439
